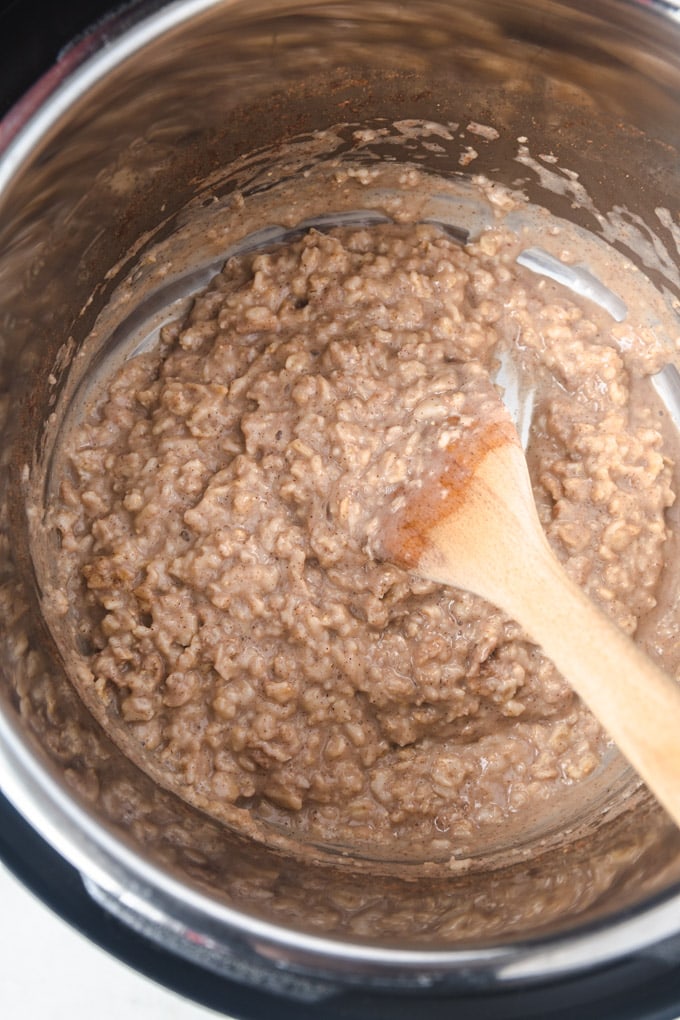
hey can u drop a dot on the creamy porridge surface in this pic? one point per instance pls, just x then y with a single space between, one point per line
216 515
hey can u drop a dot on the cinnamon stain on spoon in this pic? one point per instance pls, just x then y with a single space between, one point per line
406 534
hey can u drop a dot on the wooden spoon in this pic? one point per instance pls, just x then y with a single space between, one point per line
474 525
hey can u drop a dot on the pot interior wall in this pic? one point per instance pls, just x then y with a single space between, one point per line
595 85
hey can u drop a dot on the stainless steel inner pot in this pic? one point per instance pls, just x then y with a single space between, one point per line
106 158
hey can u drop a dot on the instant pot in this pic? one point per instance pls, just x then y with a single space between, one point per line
118 124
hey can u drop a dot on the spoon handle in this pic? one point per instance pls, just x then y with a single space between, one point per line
637 702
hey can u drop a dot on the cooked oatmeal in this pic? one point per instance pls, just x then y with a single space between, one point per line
215 516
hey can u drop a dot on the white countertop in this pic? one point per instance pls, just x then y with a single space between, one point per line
73 979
